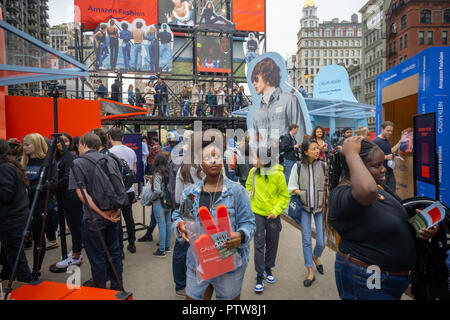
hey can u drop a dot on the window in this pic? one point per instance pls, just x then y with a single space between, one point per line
347 53
327 33
346 43
338 33
404 21
317 43
324 43
317 34
350 33
352 43
430 37
421 37
342 53
353 53
306 43
317 62
312 62
447 16
306 53
330 61
325 53
330 43
425 16
324 62
393 28
358 43
342 43
444 37
358 53
359 32
311 43
317 53
312 53
336 43
336 53
401 43
406 41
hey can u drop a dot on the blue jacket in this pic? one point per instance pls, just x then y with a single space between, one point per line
236 199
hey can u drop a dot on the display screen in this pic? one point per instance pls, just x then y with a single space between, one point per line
249 15
425 148
214 54
177 12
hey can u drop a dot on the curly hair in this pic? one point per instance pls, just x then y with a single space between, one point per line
5 158
269 71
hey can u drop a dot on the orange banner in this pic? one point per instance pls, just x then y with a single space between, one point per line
249 15
92 12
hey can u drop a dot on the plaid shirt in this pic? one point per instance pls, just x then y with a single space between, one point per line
154 151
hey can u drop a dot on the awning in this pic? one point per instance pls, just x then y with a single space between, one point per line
24 59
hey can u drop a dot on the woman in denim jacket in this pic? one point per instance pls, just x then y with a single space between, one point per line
215 189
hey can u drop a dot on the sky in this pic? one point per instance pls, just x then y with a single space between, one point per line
283 18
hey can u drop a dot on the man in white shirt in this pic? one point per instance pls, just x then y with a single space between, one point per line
115 136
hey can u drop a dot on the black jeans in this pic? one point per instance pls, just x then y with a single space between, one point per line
100 267
114 51
73 212
36 227
10 243
127 213
267 236
52 220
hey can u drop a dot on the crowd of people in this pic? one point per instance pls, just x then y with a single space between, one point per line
340 182
193 103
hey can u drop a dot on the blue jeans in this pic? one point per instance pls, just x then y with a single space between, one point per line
163 219
352 284
163 108
126 49
165 57
151 55
288 164
137 56
101 53
186 105
307 237
251 55
100 267
179 264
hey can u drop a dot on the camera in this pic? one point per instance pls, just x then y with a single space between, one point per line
53 88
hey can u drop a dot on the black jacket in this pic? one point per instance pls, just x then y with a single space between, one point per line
13 200
287 151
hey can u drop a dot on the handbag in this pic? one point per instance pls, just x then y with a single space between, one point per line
295 203
147 193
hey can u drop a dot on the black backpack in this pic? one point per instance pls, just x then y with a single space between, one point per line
107 189
128 175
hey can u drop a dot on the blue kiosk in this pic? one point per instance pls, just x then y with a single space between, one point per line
415 94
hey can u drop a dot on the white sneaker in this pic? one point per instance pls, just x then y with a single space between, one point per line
52 245
69 261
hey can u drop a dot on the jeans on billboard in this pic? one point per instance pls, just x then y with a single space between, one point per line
137 56
126 49
101 54
151 55
352 282
251 56
165 57
114 51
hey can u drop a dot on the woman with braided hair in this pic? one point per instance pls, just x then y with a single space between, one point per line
13 214
372 224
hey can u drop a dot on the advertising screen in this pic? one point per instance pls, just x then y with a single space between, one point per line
91 13
249 15
214 20
214 54
176 12
425 147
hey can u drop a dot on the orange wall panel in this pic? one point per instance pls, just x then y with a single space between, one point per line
25 115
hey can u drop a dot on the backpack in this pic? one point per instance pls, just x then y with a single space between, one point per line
128 175
107 189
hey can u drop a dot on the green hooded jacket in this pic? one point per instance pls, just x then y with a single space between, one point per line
269 195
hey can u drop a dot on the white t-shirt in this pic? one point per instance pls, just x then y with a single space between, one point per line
127 154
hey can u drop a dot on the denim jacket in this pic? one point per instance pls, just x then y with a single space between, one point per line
236 199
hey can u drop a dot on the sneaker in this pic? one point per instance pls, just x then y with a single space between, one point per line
146 238
52 245
269 277
181 293
259 287
131 247
89 283
159 254
69 262
168 250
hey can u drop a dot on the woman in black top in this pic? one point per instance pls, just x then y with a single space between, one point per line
370 224
13 214
69 201
34 151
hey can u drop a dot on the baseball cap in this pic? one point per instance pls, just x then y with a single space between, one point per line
171 136
14 142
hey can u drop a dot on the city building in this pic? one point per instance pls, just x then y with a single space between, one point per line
355 78
374 48
30 16
415 25
326 43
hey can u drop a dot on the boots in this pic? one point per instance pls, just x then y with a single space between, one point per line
147 237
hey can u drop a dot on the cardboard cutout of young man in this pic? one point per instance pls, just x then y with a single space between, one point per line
251 47
276 104
165 48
